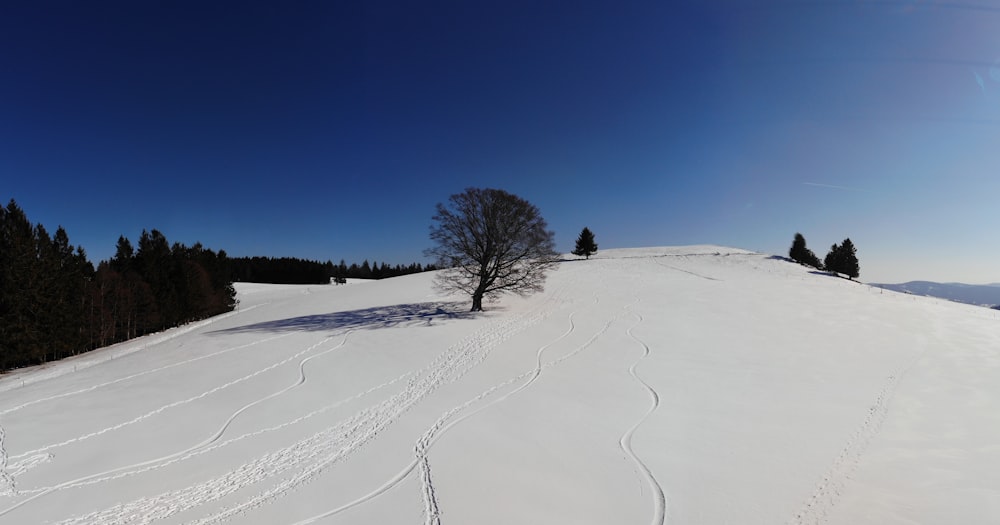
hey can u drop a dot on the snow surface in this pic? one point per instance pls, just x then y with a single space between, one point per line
690 385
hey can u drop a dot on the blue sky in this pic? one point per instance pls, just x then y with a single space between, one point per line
329 130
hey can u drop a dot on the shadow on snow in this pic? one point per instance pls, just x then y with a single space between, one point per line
366 319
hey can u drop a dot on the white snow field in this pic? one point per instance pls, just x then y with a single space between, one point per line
686 385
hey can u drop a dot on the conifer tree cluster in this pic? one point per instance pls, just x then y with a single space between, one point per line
290 270
44 284
158 286
54 304
842 258
802 255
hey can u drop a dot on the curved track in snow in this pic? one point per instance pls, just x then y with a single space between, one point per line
6 480
86 360
310 456
175 404
194 452
109 474
442 425
659 498
137 375
432 511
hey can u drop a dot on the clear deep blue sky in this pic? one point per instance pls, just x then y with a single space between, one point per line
329 130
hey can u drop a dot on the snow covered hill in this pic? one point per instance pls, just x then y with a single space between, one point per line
688 385
977 294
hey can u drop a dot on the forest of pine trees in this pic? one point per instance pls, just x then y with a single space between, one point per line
54 303
288 270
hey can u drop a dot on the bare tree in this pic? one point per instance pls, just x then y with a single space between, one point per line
491 242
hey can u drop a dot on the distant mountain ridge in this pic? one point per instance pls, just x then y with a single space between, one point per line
977 294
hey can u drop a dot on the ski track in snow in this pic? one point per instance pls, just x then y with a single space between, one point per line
828 491
432 511
10 471
87 361
441 426
431 435
139 374
147 466
7 487
175 404
36 459
659 498
26 464
689 272
310 456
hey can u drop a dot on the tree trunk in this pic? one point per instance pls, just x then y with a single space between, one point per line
477 302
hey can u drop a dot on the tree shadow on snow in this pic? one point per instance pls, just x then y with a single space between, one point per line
833 274
416 314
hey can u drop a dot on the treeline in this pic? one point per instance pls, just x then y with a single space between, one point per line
54 304
289 270
158 285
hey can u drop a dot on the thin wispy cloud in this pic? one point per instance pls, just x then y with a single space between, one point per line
907 6
835 187
980 81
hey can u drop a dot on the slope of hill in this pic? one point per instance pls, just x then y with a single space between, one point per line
694 385
977 294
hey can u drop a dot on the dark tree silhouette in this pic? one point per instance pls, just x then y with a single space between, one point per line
802 255
849 259
843 259
585 244
491 242
832 259
53 303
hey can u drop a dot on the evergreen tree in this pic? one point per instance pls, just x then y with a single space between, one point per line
802 255
156 269
849 259
124 254
340 273
843 259
329 271
43 292
832 260
19 288
585 244
66 296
